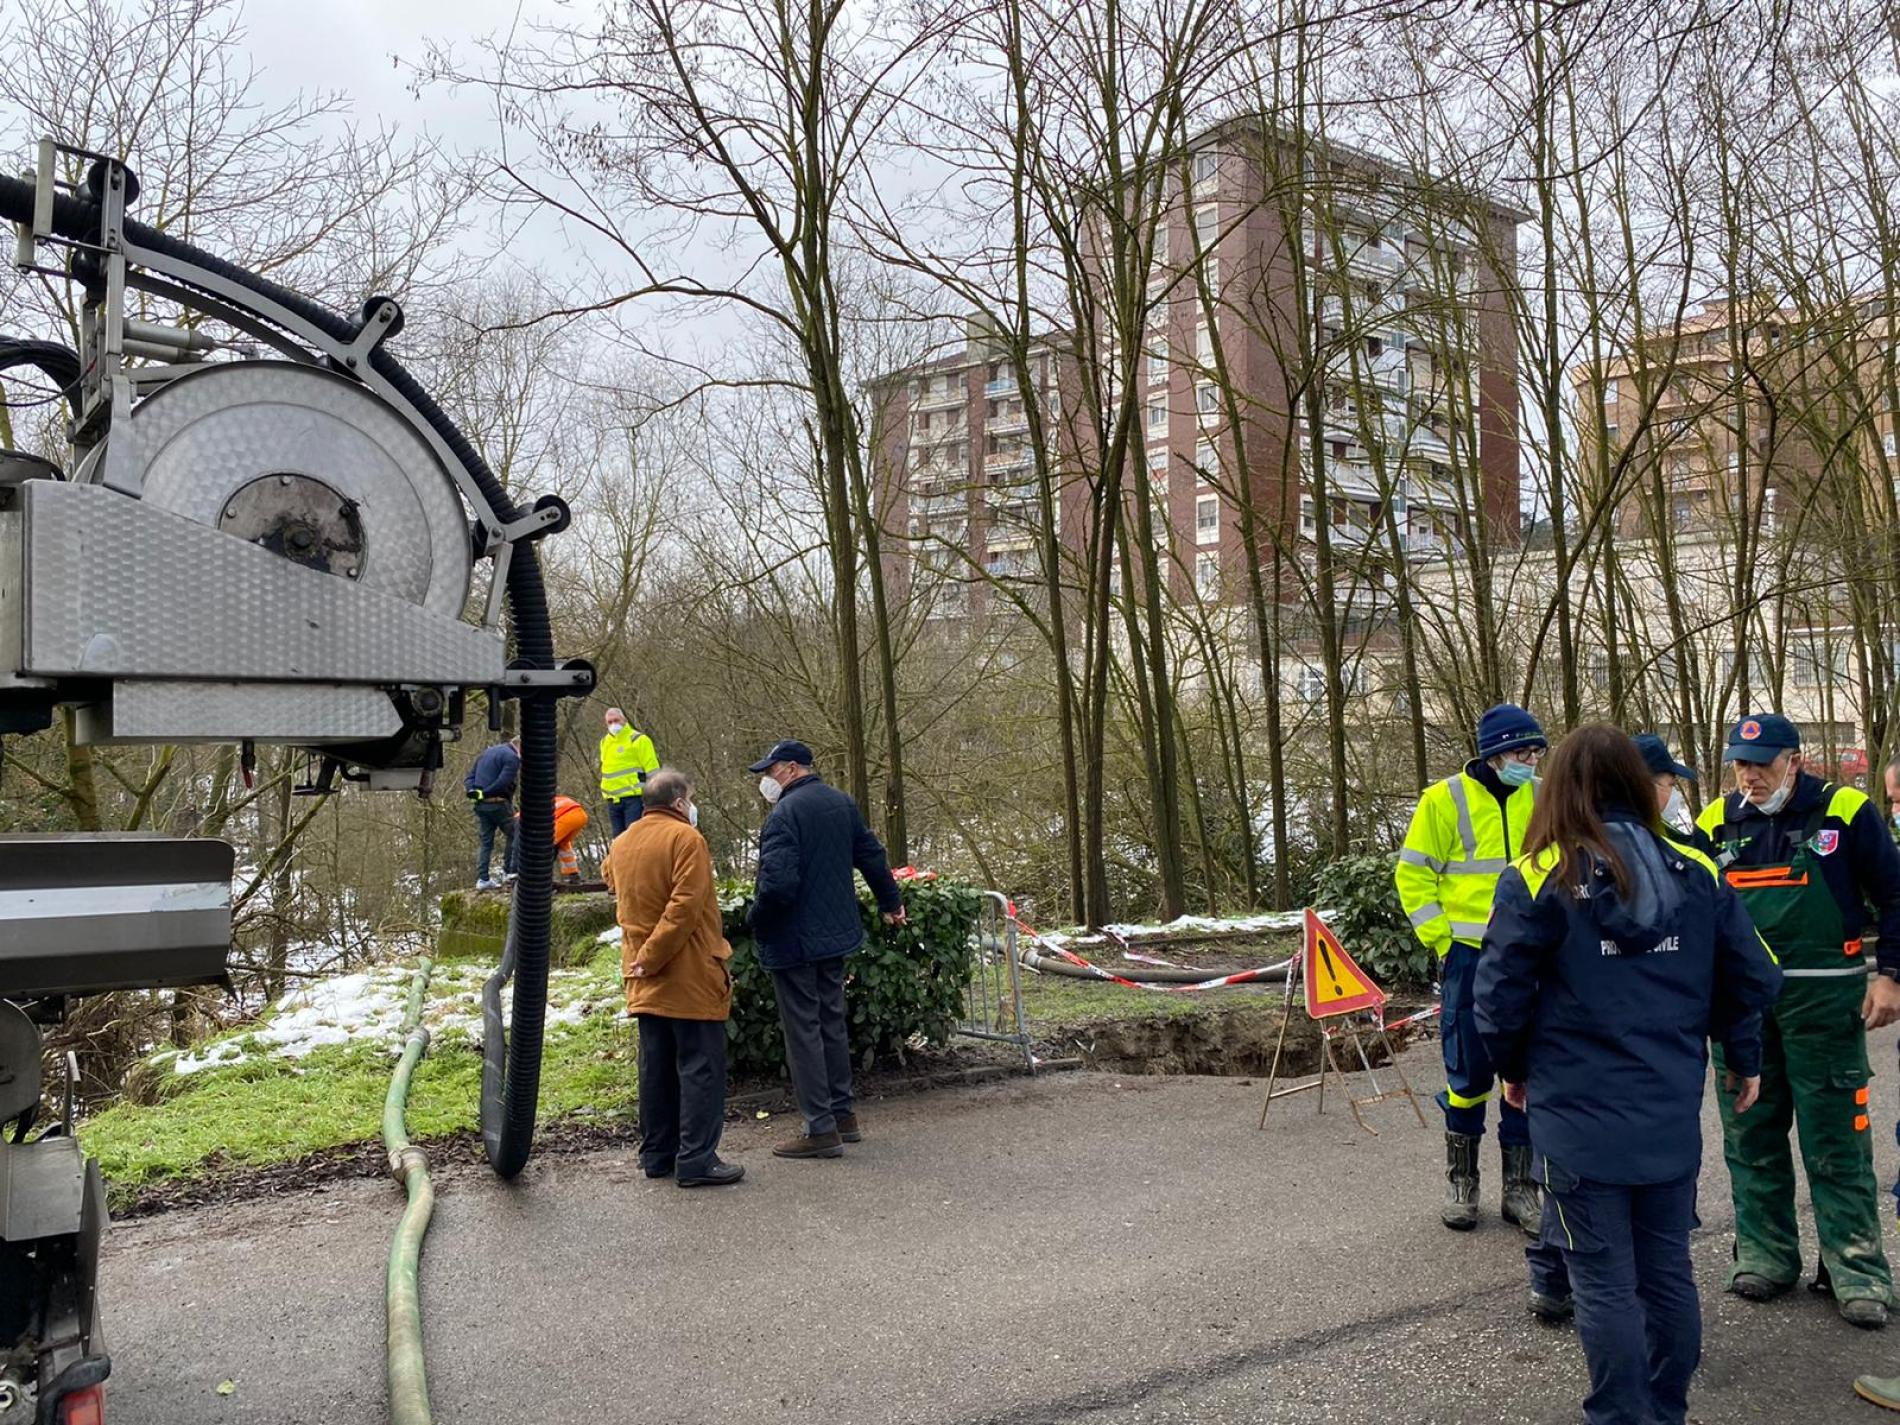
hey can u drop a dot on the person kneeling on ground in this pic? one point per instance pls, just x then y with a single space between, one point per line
1613 955
673 960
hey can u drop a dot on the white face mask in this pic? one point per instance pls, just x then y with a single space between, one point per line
769 788
1778 798
614 729
1676 810
692 813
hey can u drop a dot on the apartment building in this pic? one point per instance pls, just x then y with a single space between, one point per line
1737 411
956 472
1334 269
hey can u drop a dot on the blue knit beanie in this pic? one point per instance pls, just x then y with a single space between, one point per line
1506 728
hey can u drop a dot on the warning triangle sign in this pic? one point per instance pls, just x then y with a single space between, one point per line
1334 982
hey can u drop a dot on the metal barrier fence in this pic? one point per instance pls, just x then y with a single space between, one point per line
993 998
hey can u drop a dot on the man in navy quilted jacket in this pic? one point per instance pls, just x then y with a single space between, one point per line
805 921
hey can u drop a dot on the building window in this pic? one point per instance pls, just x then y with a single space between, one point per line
1115 578
1309 523
1204 344
1207 224
1207 519
1207 574
1158 360
1157 462
1206 162
1609 392
1886 443
1207 401
1207 461
1374 346
1157 415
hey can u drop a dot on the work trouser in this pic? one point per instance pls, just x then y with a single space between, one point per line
817 1046
682 1093
1469 1078
1544 1257
1638 1318
492 817
623 812
1814 1078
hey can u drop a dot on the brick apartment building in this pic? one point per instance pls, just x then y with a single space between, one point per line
1410 319
1693 403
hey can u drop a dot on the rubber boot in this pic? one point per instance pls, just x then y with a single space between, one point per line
1523 1204
1881 1390
1460 1212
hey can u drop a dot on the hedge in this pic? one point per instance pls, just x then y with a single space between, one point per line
907 981
1362 907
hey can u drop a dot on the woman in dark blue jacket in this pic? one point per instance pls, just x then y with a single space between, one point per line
1612 957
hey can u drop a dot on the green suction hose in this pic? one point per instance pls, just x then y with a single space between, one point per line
408 1383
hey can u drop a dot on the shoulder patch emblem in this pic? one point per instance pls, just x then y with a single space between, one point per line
1826 843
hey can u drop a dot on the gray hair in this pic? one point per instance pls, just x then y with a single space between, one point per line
666 787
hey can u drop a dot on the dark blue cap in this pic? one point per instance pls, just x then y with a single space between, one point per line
1656 754
1761 737
1507 728
790 750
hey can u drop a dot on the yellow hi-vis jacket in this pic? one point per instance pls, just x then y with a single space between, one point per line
626 761
1457 846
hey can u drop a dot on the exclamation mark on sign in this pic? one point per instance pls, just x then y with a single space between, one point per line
1339 990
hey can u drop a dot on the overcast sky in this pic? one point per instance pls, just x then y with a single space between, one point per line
352 46
367 50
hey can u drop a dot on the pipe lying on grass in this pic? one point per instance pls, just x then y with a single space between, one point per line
408 1383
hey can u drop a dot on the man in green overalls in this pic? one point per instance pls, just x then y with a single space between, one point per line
1807 858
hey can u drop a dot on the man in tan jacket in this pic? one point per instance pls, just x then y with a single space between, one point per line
673 963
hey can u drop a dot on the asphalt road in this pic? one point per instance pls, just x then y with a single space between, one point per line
1083 1249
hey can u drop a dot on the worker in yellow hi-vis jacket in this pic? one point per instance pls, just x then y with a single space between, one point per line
1464 833
627 759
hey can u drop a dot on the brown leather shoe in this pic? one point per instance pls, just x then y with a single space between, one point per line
848 1128
810 1145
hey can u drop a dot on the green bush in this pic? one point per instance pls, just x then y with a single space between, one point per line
1362 907
906 981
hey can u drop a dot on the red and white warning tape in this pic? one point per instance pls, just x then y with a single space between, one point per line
1419 1018
1062 952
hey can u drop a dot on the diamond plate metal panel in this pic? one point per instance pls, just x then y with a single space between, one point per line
115 587
296 713
191 446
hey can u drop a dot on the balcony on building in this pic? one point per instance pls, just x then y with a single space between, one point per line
935 399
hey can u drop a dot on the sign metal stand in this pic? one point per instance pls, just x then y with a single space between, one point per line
1336 989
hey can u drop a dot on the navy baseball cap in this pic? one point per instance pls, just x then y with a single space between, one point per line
1761 737
1656 754
789 750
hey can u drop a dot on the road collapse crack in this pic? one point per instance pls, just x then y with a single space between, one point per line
1230 1363
1284 1352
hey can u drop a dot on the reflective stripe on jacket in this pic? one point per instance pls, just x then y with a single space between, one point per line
1846 837
626 761
1602 999
1458 844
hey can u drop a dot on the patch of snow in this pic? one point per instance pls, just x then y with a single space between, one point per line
1268 921
368 1008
